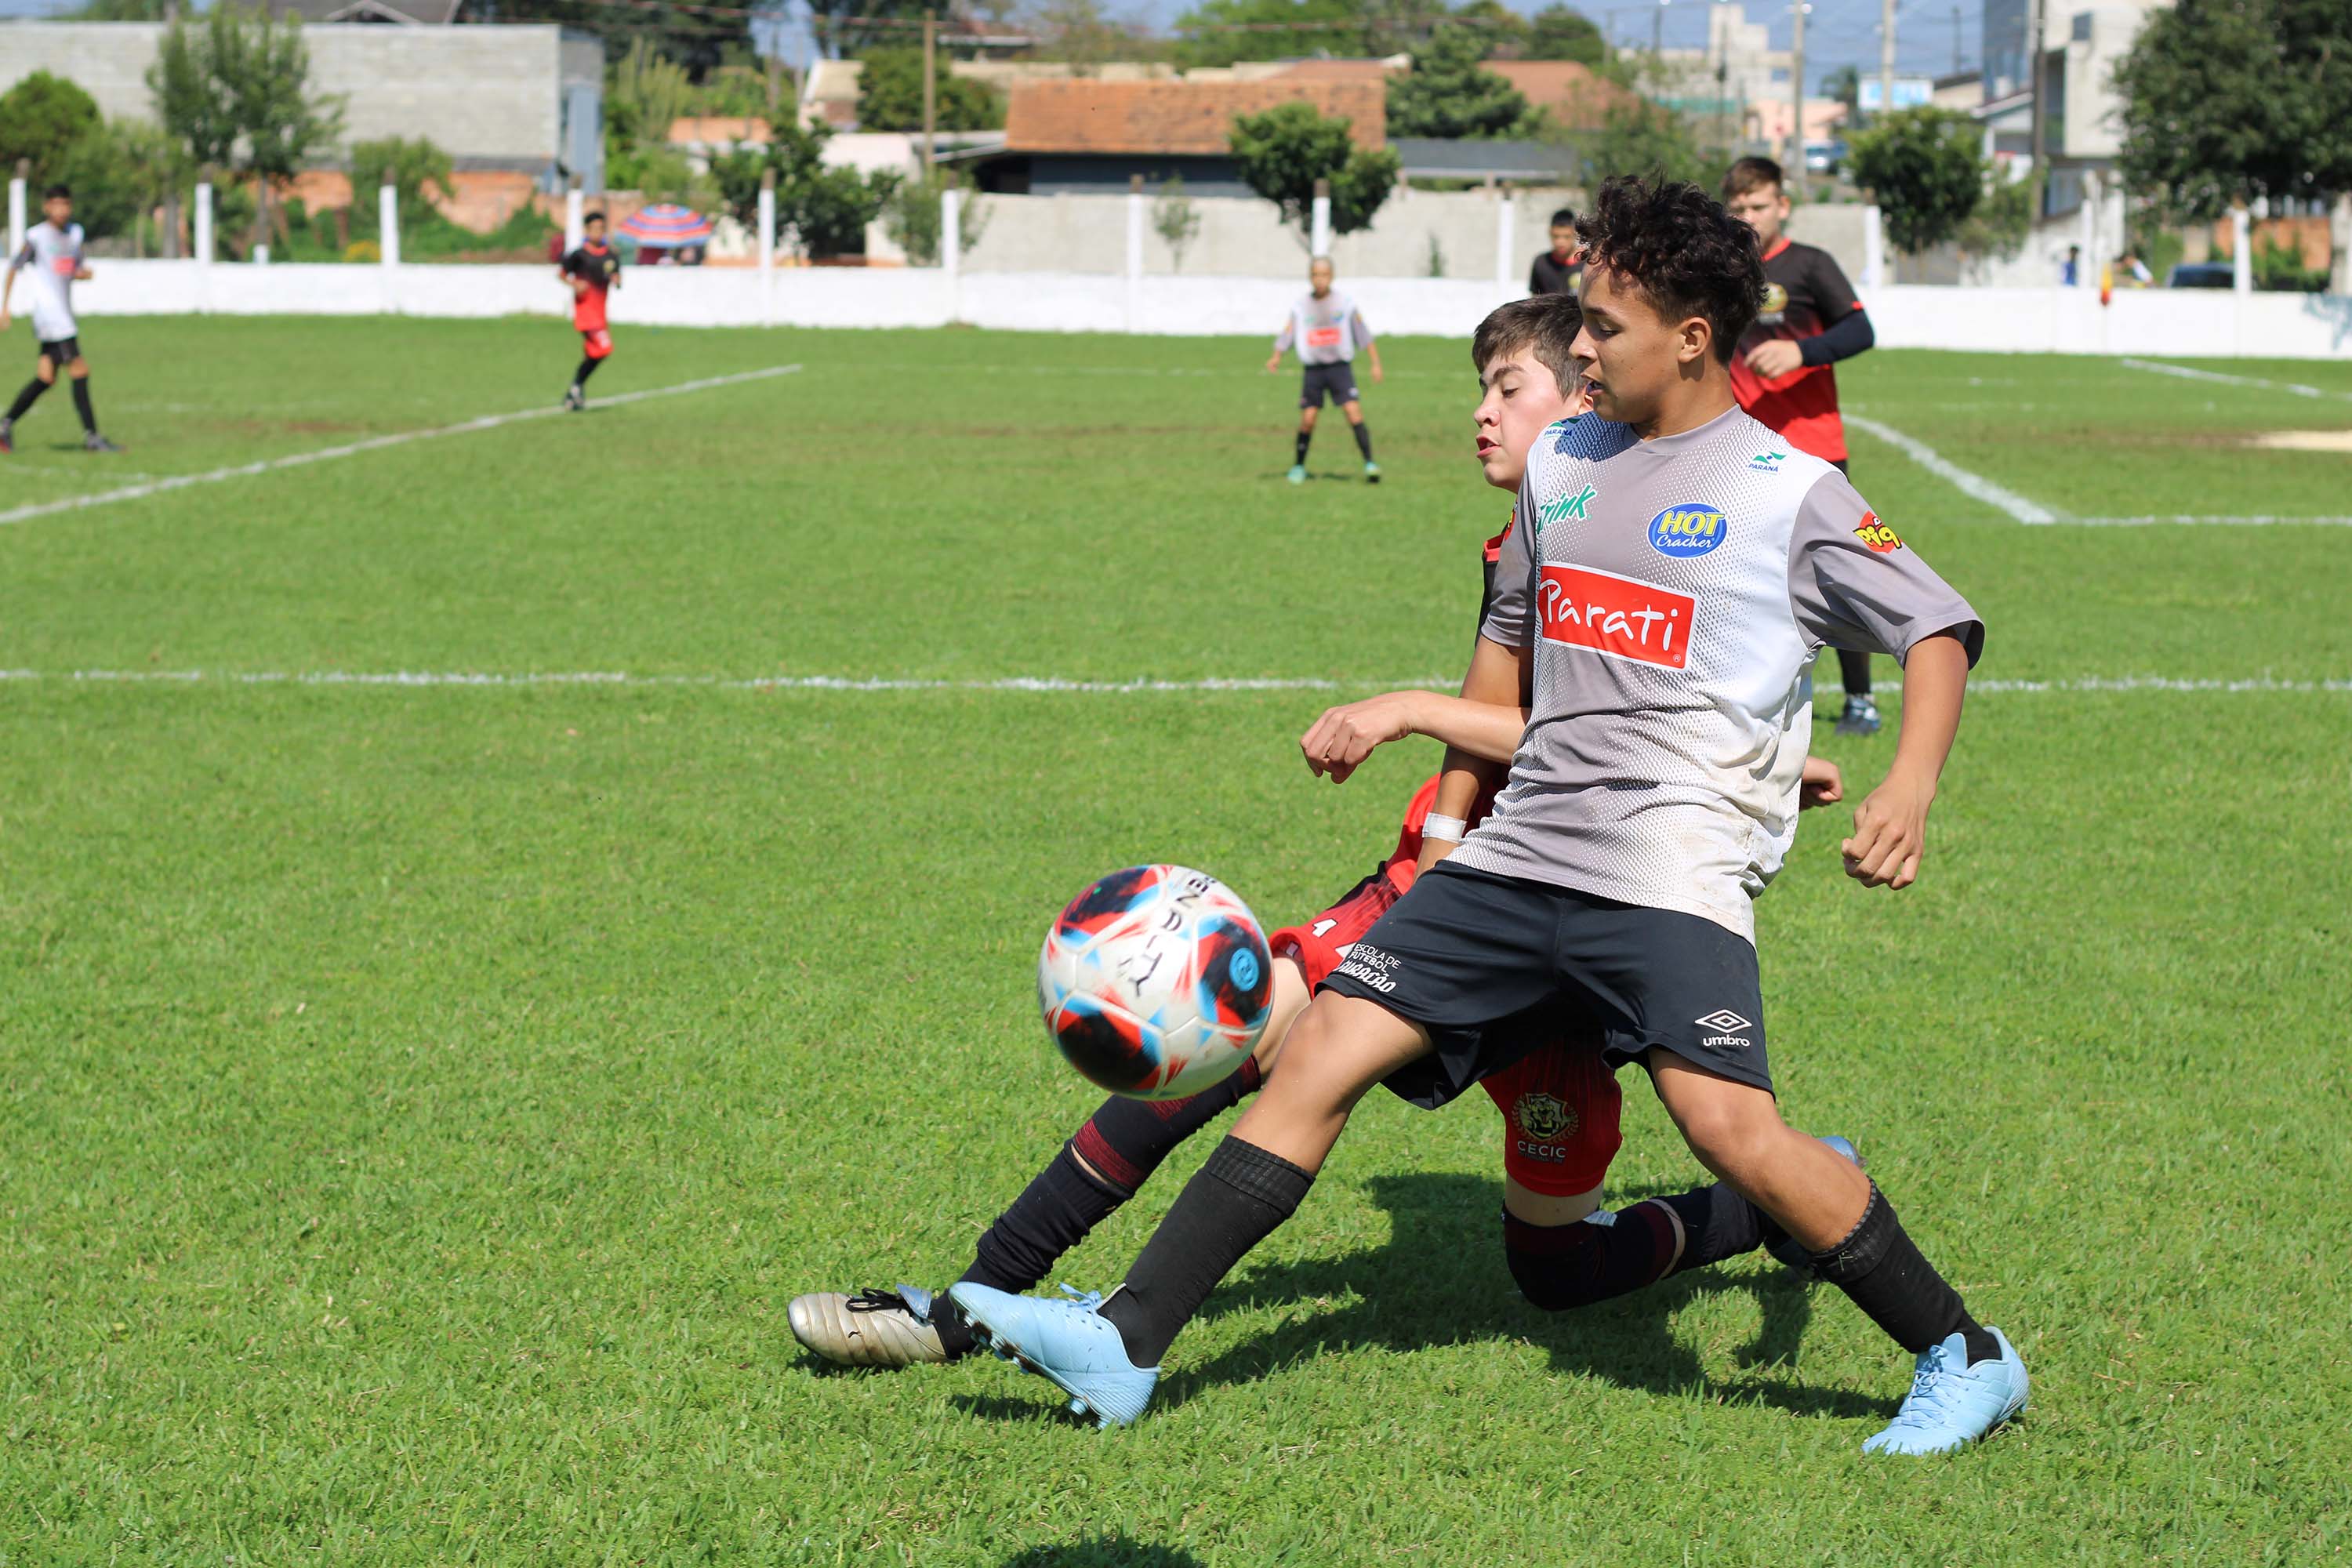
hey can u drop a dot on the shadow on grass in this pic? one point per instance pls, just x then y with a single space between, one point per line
1104 1552
1442 1280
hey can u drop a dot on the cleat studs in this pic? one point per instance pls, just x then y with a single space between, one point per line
1077 1407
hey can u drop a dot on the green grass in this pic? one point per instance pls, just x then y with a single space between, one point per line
417 1104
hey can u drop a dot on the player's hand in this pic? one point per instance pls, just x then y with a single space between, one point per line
1890 833
82 275
1379 376
1273 363
1344 736
1821 784
1776 358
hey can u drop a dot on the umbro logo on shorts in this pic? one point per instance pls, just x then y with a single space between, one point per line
1722 1018
1723 1021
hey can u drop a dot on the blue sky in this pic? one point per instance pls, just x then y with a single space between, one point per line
1838 32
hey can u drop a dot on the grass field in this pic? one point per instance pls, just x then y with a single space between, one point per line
419 1101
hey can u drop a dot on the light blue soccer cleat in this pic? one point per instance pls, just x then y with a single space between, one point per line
1069 1343
1952 1403
1371 472
1298 475
1788 1249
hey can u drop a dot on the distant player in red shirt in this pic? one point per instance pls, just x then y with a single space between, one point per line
1781 373
590 272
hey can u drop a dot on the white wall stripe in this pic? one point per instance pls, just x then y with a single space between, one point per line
2182 371
2007 501
1039 684
374 444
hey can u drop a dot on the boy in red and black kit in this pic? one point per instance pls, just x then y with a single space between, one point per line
590 272
1781 373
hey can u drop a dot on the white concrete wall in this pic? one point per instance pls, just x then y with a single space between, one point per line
2170 323
479 92
1241 237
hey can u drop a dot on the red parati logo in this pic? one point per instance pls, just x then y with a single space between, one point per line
1620 618
1877 535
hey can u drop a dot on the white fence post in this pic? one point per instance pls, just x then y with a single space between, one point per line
200 222
17 206
576 228
1874 248
768 248
2086 276
1318 238
2241 253
1134 252
387 219
951 247
1506 240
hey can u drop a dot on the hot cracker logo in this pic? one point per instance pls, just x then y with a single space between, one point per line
1619 617
1576 508
1684 531
1877 535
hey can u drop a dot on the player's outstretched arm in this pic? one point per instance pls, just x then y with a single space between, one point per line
1498 675
1890 828
1344 736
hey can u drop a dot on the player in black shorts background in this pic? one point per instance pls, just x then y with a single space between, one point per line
1327 329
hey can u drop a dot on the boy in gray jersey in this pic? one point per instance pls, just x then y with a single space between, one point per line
1327 329
1676 573
51 260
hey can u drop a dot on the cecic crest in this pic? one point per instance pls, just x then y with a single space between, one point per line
1543 1117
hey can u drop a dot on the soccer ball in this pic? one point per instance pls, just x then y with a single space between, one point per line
1155 981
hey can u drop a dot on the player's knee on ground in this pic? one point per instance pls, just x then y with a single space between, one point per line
1556 1267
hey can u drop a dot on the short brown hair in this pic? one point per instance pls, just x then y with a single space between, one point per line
1751 175
1547 323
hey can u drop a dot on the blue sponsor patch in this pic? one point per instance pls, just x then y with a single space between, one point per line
1688 530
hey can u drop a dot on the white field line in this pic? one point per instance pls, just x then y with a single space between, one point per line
2259 520
2006 501
2185 373
1019 684
374 444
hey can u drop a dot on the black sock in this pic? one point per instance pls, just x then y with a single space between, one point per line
27 398
1576 1265
587 368
1123 1142
82 405
1880 1266
1854 672
1364 439
1234 1202
1299 448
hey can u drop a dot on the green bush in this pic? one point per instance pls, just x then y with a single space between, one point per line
2278 266
40 117
407 166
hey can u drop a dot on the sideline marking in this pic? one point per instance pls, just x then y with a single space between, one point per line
2185 373
372 444
1017 684
2016 507
2259 520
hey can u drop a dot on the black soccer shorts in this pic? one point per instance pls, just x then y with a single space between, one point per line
60 352
1473 957
1336 381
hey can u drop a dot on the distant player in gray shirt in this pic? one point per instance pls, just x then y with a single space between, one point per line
1674 573
1327 329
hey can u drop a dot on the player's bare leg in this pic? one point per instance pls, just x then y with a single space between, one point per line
1355 413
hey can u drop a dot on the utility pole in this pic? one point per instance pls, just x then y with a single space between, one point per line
930 88
2033 78
1956 40
1657 30
1794 169
1887 57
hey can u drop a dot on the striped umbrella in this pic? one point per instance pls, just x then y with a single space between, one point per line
665 225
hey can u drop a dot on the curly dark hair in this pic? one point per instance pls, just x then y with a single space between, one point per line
1547 323
1678 245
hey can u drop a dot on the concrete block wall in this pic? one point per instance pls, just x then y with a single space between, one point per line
483 92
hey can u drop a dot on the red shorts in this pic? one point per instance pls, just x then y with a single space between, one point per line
1560 1102
598 340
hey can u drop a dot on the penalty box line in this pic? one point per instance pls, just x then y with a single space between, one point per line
374 444
1019 684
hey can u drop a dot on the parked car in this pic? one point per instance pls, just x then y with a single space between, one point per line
2199 275
1825 157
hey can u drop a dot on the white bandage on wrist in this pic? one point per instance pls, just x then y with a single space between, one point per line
1444 829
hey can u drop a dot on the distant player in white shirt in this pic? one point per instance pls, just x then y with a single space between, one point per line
1327 329
52 259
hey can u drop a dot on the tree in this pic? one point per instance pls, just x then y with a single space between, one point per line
698 38
2228 100
234 90
40 117
2003 219
827 209
645 92
890 94
1447 95
912 218
1926 166
122 11
1502 33
1085 34
1650 140
1844 84
407 166
1282 152
1175 218
1220 32
1557 33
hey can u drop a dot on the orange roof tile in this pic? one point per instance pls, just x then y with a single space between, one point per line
1578 99
1175 117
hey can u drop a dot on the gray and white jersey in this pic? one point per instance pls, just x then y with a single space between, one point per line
1327 330
1674 592
45 269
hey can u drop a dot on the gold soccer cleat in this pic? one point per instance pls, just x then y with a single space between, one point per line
872 1329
